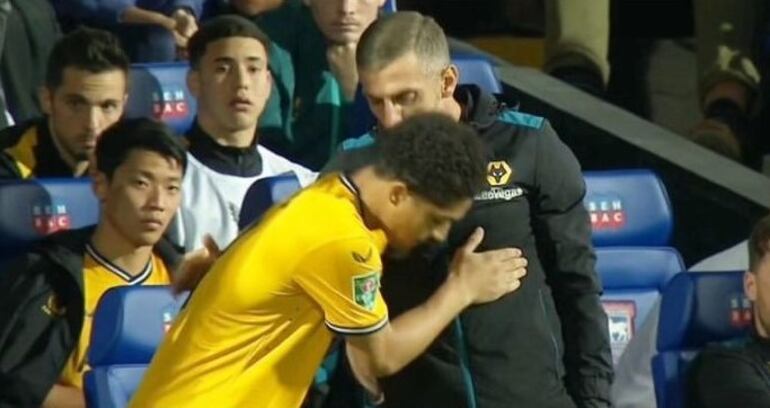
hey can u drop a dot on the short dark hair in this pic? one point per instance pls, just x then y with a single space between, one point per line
438 158
88 49
221 27
759 243
393 36
117 142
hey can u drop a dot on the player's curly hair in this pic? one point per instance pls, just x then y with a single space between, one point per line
438 158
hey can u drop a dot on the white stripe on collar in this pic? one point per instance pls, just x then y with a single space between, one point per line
130 280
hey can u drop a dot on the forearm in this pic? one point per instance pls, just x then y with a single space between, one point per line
415 330
136 15
62 396
407 336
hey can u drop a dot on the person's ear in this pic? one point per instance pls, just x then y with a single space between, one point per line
750 285
193 82
450 77
99 184
46 99
398 194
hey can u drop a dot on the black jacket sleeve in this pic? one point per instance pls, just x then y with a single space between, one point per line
33 325
727 379
563 230
8 169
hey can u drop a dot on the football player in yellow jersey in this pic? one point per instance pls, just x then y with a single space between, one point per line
47 296
258 324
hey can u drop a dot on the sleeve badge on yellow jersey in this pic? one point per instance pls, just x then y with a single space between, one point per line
364 259
365 289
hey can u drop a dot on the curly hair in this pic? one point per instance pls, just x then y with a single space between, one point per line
438 158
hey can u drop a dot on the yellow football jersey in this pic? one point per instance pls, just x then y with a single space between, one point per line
258 325
99 275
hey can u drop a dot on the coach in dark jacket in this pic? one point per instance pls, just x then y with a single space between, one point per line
547 344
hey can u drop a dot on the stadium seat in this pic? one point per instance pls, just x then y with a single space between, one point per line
631 286
631 220
389 6
31 209
697 309
159 91
476 69
263 194
112 387
628 208
129 324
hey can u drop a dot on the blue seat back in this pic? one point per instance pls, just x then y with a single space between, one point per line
628 208
697 309
478 70
633 279
112 386
159 90
265 193
128 326
32 209
389 6
130 322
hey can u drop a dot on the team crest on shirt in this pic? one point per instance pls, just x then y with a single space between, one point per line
498 173
365 289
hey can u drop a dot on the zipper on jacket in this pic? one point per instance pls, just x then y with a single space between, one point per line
550 331
462 350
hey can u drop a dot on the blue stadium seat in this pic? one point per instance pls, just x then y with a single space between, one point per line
697 309
632 220
160 91
476 69
129 324
628 208
263 194
631 286
31 209
389 6
112 386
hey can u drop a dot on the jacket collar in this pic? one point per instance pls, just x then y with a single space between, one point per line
479 108
234 161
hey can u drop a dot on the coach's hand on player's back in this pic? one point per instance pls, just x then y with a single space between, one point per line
486 276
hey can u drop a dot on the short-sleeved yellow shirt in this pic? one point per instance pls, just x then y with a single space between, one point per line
258 325
99 275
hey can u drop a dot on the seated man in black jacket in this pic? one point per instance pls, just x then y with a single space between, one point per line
737 374
546 345
84 93
47 296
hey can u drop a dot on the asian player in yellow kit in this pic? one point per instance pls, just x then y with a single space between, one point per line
258 325
49 294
